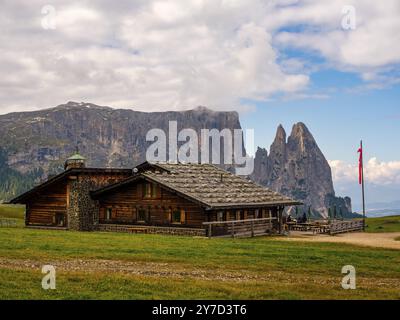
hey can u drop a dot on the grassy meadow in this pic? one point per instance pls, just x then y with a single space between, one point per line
95 265
383 224
12 211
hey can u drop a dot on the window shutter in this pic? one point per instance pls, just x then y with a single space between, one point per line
139 190
154 190
158 191
134 213
148 215
144 188
183 216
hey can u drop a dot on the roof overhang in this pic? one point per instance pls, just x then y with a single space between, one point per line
63 175
253 205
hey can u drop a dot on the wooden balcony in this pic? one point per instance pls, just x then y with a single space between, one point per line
241 228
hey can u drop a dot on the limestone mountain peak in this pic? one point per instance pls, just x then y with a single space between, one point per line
298 168
280 134
301 139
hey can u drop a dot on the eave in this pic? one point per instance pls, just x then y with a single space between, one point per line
74 171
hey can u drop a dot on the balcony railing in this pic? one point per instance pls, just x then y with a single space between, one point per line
240 228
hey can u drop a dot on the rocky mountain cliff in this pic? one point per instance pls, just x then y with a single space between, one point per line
35 145
107 137
296 167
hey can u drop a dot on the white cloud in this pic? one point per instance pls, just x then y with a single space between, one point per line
369 49
155 55
376 172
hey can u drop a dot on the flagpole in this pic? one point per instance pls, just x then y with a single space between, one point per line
362 182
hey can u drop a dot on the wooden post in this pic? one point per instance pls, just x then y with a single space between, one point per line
362 181
209 230
279 220
252 228
270 220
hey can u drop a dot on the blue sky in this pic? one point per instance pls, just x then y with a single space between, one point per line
339 121
349 112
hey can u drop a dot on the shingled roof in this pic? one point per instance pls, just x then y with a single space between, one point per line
206 184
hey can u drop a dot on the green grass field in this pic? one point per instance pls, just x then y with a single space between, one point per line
12 211
94 265
383 224
192 268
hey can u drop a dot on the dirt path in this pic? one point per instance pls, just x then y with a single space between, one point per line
377 240
179 272
132 268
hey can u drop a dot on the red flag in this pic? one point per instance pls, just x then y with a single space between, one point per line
360 165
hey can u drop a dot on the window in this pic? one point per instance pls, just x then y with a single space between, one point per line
256 214
142 215
108 213
239 215
176 216
150 190
264 213
147 190
154 190
220 216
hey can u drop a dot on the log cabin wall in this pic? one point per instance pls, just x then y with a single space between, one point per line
242 214
82 210
49 207
149 204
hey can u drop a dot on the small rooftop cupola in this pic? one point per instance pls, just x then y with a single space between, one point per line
75 161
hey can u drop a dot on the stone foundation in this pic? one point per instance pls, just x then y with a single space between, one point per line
152 230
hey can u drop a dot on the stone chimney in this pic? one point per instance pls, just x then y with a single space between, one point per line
75 161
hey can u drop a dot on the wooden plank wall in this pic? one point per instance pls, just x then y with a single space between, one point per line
41 209
128 200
